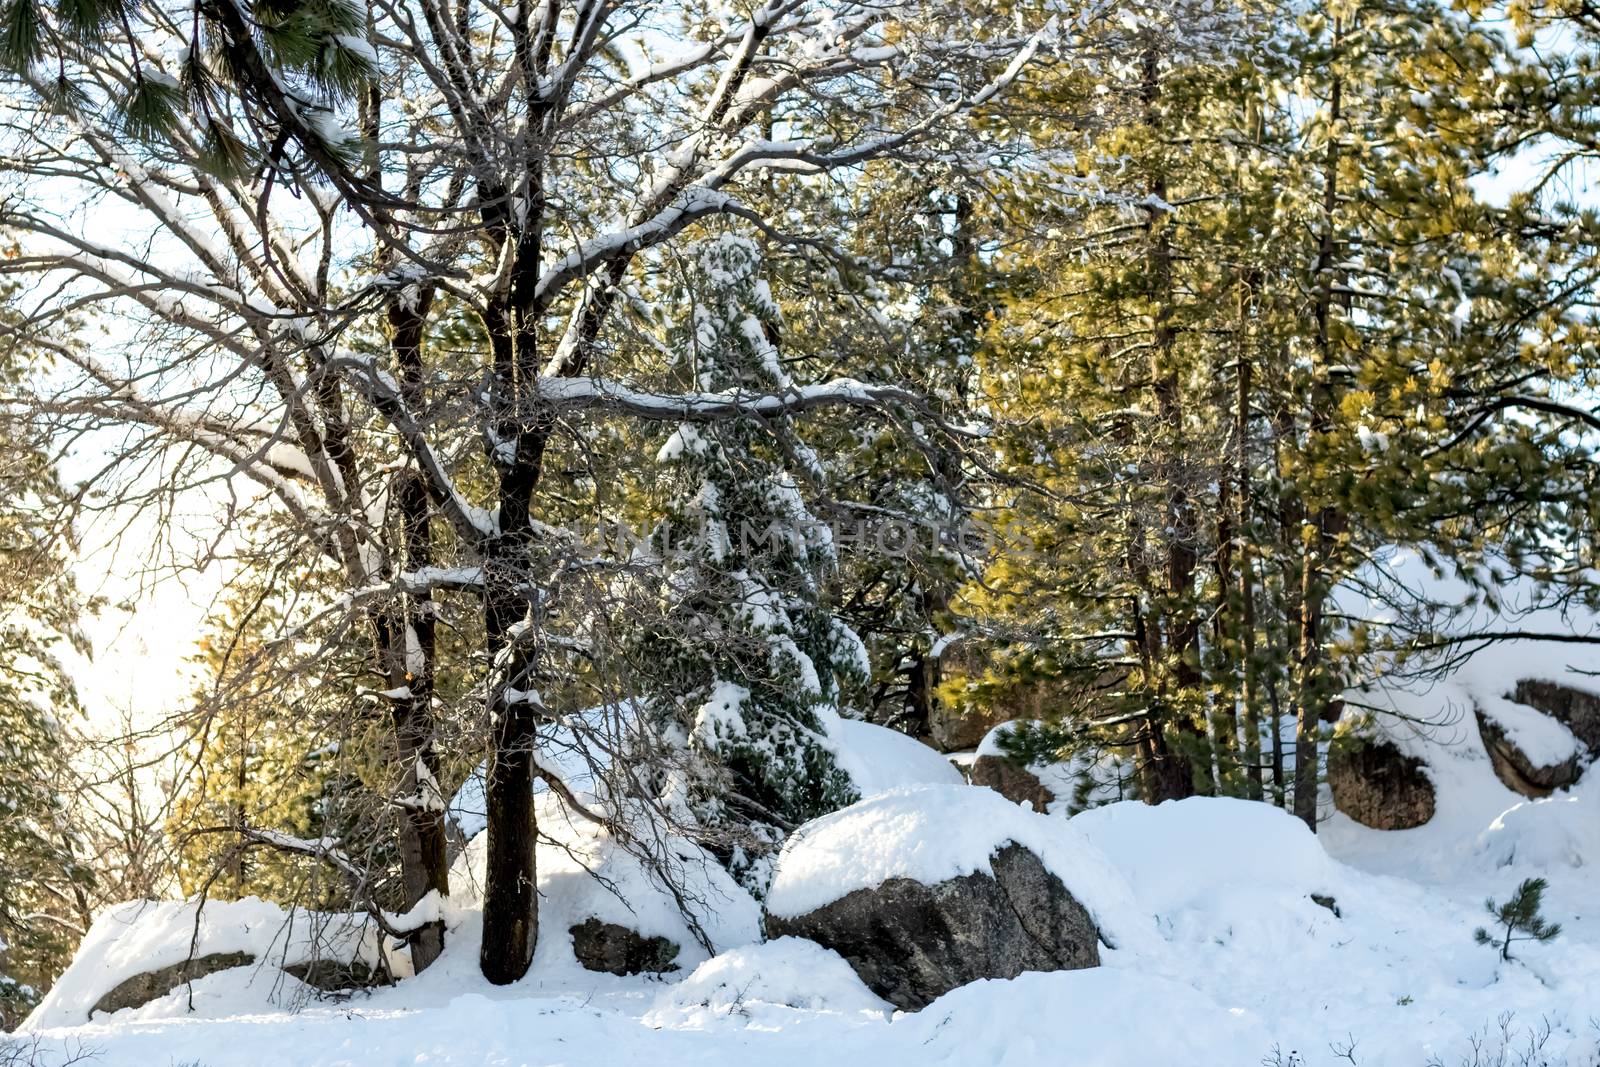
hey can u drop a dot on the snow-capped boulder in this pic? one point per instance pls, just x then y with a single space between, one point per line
615 949
994 769
1379 786
1087 780
912 943
766 983
925 889
235 955
1575 708
1525 766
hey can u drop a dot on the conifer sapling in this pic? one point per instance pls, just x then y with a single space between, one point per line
1518 919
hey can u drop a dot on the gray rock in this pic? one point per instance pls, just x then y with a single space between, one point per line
954 730
911 942
603 946
1011 780
141 989
1513 767
332 976
1377 785
1576 709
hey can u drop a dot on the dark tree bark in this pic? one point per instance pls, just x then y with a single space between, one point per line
412 656
1178 666
1317 686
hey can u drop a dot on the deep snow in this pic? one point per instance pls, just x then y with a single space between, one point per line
1231 962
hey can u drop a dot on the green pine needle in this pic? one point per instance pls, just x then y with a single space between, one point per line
21 34
153 107
85 21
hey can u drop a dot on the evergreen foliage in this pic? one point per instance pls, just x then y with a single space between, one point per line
747 664
45 869
1518 919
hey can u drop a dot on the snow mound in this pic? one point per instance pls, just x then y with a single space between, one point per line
139 936
766 982
585 872
1104 1017
1562 830
1176 852
878 758
932 833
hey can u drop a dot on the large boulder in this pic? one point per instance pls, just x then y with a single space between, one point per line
928 888
1576 709
1017 783
1519 771
140 989
912 943
616 949
1379 786
959 730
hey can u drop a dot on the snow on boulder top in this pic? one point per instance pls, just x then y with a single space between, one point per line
933 833
140 936
1214 841
878 758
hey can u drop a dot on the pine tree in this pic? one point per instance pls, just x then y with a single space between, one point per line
747 666
1518 919
45 877
1279 336
279 752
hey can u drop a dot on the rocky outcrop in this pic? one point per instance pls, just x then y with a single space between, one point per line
956 730
603 946
141 989
1576 709
911 942
1513 767
1379 786
1011 780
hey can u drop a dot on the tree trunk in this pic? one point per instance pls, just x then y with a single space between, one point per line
1316 684
510 909
1177 615
1246 629
516 444
423 864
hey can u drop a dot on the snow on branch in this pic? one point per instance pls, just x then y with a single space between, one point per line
571 394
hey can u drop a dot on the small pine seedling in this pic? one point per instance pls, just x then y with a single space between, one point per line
1518 919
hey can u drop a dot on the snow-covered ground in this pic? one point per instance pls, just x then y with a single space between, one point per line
1229 960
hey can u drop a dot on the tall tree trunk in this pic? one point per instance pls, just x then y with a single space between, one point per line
1178 617
519 432
1246 595
424 864
1315 683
